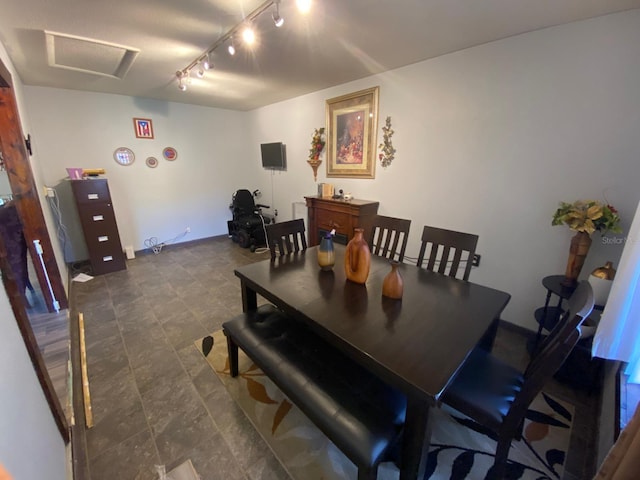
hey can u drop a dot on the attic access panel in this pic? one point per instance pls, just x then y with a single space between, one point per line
89 55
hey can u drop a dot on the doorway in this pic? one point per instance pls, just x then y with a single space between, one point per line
32 246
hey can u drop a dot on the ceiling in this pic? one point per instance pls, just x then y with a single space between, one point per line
147 41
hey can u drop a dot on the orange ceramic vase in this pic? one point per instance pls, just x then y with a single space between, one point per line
357 258
393 285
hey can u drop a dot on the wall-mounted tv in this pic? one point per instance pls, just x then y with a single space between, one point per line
274 155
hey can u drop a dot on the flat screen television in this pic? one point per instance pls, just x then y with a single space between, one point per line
274 155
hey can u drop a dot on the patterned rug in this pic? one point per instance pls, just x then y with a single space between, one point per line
460 448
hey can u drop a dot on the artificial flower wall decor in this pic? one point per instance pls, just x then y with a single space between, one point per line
388 152
317 146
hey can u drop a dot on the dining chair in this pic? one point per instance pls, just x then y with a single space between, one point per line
446 249
388 237
497 396
286 237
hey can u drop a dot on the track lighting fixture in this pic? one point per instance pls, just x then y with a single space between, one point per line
181 85
277 19
244 29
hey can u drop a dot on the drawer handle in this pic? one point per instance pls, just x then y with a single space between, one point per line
92 196
97 218
103 238
108 258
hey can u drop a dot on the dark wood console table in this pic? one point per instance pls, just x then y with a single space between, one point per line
326 214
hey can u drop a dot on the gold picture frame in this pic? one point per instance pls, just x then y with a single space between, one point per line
352 125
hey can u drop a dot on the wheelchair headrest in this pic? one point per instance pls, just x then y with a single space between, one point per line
243 200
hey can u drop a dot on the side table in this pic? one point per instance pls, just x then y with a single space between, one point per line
579 370
548 316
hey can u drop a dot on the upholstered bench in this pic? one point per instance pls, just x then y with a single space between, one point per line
359 413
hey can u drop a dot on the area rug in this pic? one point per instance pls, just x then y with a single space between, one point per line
460 448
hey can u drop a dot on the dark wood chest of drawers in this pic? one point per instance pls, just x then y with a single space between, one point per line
99 225
326 214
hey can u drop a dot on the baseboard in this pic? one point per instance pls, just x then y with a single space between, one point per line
188 243
516 328
609 414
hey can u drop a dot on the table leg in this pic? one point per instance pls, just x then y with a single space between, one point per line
249 298
416 440
486 343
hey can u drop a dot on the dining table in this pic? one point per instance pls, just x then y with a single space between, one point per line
417 344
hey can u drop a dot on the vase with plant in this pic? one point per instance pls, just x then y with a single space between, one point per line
584 217
317 145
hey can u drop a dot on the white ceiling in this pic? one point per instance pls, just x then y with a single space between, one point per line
338 41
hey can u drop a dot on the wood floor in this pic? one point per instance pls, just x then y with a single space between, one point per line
52 334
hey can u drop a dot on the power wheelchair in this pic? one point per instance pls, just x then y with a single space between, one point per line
247 227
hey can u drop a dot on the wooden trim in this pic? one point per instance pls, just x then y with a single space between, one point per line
86 395
78 431
34 227
25 196
20 313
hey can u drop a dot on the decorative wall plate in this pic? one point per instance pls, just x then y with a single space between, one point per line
124 156
170 153
152 162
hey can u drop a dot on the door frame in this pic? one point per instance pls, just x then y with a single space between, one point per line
25 196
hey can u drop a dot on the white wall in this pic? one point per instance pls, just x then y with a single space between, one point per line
192 191
489 140
30 444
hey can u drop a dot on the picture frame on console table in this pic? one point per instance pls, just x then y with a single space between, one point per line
352 125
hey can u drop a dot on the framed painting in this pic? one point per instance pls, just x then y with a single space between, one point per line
143 127
352 124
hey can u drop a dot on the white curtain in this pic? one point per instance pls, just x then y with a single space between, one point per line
618 333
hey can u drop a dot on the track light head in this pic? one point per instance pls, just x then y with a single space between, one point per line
206 61
231 49
181 85
200 72
303 5
248 35
277 19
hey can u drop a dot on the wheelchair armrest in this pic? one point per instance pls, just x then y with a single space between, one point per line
262 206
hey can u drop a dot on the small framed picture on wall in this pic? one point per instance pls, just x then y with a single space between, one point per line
143 127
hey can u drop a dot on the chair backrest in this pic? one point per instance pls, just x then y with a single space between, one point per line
243 203
288 237
446 250
554 350
389 237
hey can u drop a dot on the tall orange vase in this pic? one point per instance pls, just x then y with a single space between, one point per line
357 258
580 244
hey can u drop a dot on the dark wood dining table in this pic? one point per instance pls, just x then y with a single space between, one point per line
417 344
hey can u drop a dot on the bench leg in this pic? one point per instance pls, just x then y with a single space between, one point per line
232 351
365 473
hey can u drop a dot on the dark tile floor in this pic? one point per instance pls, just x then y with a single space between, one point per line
156 401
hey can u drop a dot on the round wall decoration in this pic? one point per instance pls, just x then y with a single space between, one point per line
152 162
170 153
124 156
